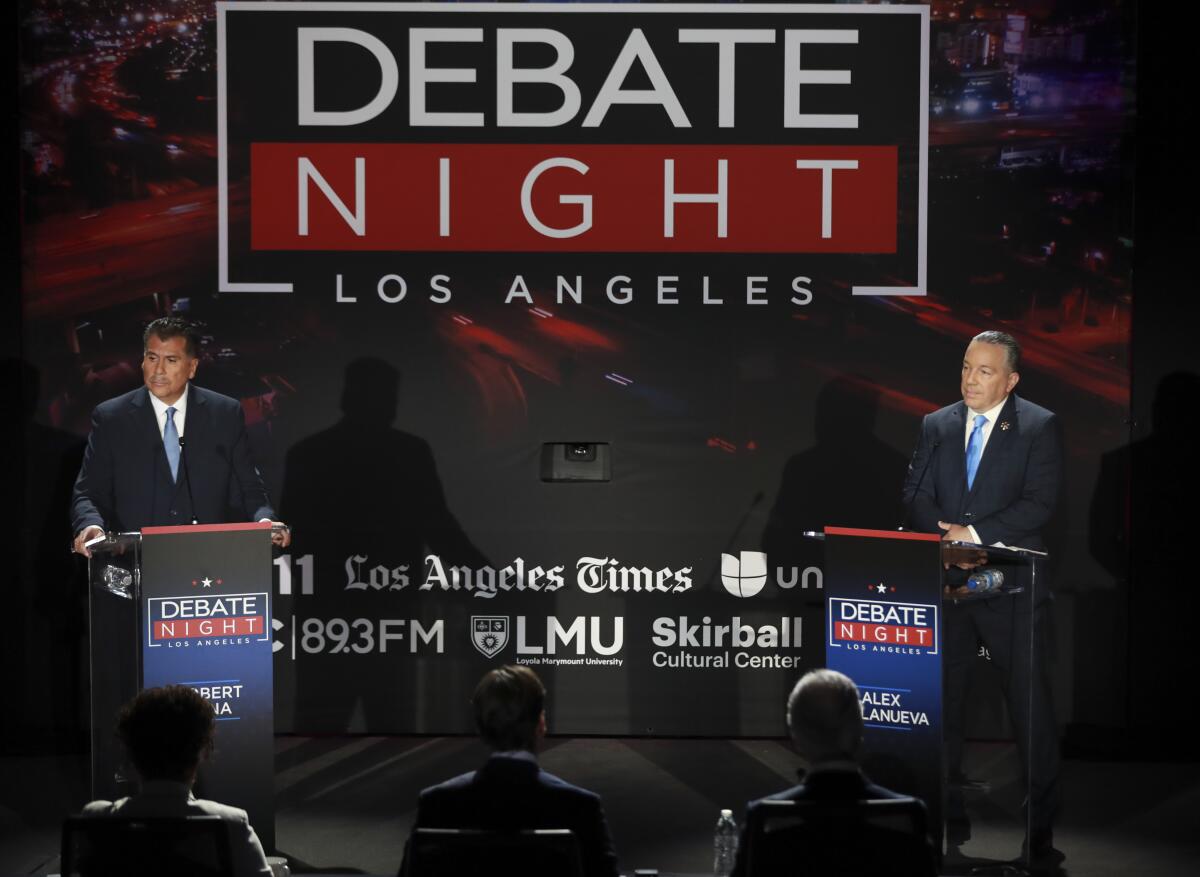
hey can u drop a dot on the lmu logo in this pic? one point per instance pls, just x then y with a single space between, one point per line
489 633
584 636
744 577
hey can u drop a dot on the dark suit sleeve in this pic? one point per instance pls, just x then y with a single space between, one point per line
247 492
601 859
420 820
920 500
93 498
1039 494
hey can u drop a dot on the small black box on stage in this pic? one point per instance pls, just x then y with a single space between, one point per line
576 461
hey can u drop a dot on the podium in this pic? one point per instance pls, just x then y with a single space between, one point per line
188 606
889 599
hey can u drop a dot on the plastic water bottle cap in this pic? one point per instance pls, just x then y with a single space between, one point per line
725 813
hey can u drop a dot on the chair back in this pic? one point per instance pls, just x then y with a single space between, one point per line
825 838
136 846
466 852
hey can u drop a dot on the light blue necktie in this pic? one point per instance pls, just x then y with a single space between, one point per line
975 449
171 444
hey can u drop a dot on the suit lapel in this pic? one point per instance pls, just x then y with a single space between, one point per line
956 447
148 435
196 427
1004 432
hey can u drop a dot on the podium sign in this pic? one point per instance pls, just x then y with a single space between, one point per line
884 631
205 608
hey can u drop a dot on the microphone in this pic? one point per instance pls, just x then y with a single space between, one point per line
187 481
921 480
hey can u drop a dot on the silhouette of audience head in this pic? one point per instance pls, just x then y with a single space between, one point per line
167 731
509 705
824 716
371 391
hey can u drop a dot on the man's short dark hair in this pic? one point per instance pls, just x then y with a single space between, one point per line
824 715
174 327
508 703
166 731
1012 349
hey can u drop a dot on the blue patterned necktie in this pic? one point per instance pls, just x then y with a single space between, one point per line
171 444
975 449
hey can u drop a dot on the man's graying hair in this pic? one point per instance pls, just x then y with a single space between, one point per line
167 328
1012 350
824 715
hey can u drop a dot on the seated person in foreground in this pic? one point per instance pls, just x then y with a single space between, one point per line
167 731
824 717
511 792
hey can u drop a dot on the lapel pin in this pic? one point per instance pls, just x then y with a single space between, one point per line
1004 424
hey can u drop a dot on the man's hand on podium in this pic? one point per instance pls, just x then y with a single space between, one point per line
955 532
281 535
963 558
87 534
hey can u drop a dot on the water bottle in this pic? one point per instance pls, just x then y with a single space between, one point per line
725 840
983 580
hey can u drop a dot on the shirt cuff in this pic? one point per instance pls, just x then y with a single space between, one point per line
974 535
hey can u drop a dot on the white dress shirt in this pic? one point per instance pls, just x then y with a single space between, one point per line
991 414
160 411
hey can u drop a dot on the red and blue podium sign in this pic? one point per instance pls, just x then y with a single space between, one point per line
206 623
884 631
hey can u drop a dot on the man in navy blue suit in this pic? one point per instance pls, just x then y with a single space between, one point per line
824 718
510 791
988 470
139 471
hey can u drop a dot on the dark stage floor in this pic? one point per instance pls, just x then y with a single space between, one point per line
347 802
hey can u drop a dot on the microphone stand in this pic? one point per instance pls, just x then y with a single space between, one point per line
917 489
187 481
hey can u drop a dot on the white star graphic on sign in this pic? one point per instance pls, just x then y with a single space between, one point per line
880 588
206 581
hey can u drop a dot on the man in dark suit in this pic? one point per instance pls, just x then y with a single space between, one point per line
988 470
824 717
136 471
511 792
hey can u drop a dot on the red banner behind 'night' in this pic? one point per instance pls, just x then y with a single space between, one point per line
853 631
191 628
528 198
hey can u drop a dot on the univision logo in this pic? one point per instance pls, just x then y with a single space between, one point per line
745 575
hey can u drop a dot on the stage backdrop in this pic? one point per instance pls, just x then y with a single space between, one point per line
557 324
